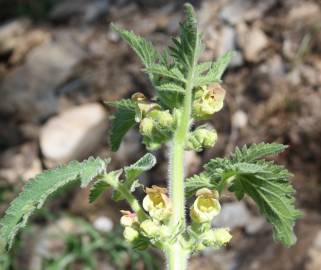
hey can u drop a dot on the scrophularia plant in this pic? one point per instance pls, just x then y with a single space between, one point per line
186 91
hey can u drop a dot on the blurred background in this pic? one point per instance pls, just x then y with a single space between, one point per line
59 61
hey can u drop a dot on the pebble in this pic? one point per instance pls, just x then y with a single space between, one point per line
74 134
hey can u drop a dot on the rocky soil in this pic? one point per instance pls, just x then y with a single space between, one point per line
58 66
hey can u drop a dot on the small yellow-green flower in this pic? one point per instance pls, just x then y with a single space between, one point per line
206 206
130 234
207 101
128 218
156 203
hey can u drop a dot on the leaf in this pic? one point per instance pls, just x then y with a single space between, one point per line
163 71
275 201
143 48
257 151
102 185
201 68
188 47
196 182
123 120
216 71
133 171
171 87
39 188
265 182
145 163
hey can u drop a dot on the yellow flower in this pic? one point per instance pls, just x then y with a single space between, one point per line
207 101
206 206
130 234
156 203
128 218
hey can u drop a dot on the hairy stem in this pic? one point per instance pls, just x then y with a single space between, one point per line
176 255
132 201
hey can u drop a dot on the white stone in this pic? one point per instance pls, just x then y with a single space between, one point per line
252 41
73 134
103 224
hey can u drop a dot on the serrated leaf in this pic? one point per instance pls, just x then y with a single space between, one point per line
257 151
188 47
145 163
97 189
216 71
201 68
123 120
39 188
171 87
197 182
132 172
103 184
163 71
143 48
275 201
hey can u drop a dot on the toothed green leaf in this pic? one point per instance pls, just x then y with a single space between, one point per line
102 185
123 120
171 88
143 48
39 188
164 72
133 171
216 71
257 151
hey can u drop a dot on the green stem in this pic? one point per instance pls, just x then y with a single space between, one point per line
132 201
176 255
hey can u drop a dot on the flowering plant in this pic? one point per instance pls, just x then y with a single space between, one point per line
186 91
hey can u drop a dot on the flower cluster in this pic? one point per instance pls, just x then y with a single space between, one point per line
154 229
205 207
156 125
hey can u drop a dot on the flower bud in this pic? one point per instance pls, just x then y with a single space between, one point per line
130 234
149 228
218 237
143 105
201 138
128 218
207 101
156 203
163 119
205 207
146 127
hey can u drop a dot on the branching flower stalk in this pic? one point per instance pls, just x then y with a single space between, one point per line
186 92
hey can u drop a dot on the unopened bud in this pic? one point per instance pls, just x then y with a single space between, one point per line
149 228
130 234
218 237
201 138
128 218
205 207
146 127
